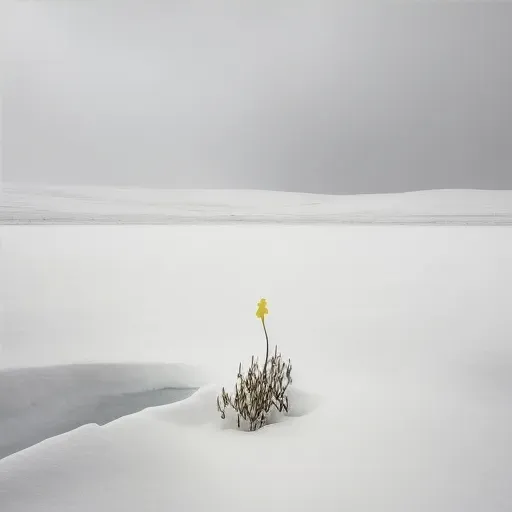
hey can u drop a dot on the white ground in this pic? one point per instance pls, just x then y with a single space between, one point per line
400 338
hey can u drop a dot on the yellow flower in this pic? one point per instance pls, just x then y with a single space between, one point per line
262 309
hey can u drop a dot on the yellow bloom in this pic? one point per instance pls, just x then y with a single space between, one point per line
262 309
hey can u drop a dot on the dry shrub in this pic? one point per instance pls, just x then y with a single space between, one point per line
258 391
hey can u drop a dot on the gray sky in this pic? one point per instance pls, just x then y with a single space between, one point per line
324 97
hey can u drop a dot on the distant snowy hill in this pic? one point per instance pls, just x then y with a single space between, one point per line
33 204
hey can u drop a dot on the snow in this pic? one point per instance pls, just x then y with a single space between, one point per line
41 204
400 337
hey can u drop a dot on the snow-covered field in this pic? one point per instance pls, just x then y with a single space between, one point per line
400 338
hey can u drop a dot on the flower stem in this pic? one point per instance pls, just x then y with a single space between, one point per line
266 337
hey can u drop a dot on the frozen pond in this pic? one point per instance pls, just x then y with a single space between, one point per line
44 402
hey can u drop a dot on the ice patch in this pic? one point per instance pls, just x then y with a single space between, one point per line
38 403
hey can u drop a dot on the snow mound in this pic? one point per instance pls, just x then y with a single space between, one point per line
167 445
201 409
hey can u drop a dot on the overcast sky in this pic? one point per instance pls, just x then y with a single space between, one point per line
323 97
